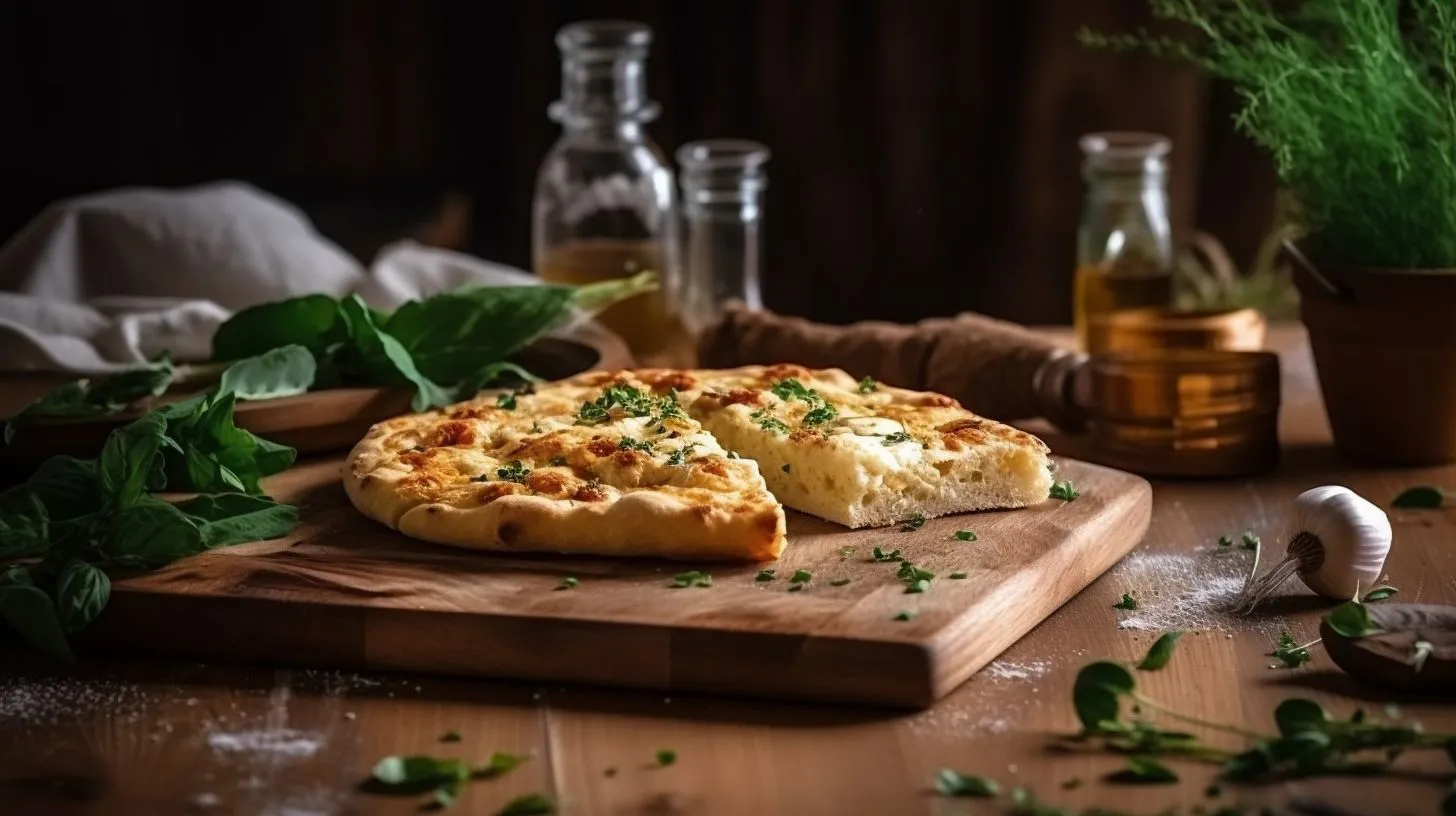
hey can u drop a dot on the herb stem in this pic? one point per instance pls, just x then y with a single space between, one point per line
1212 726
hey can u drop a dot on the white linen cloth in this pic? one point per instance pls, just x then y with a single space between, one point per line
105 282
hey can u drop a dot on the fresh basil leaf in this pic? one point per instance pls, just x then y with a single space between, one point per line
1421 496
122 390
954 783
1379 593
1144 771
1097 691
85 398
214 455
445 796
417 774
64 402
1251 764
488 375
449 334
1128 602
24 524
1161 652
68 487
311 321
666 757
30 612
531 804
82 591
151 534
1298 714
1352 620
500 763
128 458
281 372
381 359
225 519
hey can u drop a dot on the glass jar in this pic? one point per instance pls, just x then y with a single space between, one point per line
605 199
1125 239
722 204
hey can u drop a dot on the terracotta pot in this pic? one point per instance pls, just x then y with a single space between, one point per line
1384 343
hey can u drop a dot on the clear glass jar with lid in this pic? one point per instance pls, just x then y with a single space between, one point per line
605 204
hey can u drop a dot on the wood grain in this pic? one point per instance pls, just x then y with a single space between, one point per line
117 736
373 599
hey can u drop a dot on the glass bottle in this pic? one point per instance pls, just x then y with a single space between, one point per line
722 190
1125 240
605 198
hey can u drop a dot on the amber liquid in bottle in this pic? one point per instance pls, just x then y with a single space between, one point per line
1098 290
645 322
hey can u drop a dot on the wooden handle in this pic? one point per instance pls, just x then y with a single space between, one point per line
989 365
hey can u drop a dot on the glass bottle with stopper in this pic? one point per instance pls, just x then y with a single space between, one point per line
605 204
1125 240
723 181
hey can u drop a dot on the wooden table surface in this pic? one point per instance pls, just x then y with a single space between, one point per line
132 736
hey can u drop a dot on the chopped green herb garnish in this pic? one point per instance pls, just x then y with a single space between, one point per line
506 401
792 389
558 461
1225 541
845 553
868 385
905 615
916 587
532 804
910 572
880 555
1127 602
450 736
955 783
513 472
628 400
1064 491
838 582
801 577
785 468
764 575
896 438
678 456
569 582
667 407
912 524
1352 620
591 413
821 415
1248 540
1144 770
1290 653
768 422
536 427
666 757
1161 652
634 444
965 535
692 579
1379 593
959 575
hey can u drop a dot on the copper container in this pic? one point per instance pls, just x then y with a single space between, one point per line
1162 328
1186 412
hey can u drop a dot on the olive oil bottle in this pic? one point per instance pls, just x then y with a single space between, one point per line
1124 241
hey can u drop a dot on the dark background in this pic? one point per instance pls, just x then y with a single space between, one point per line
925 156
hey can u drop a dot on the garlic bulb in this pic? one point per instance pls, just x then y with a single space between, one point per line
1336 542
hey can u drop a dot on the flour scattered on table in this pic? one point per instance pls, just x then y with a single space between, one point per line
55 700
1003 670
1194 591
283 742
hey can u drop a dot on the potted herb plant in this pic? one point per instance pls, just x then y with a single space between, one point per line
1355 100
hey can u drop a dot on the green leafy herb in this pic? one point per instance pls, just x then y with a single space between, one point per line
905 615
1422 497
81 398
912 524
768 422
1128 602
867 385
680 455
453 735
1420 651
666 757
634 444
1352 620
506 401
31 613
802 576
285 371
1064 491
954 783
500 763
764 576
1288 651
896 438
1161 652
1248 540
1225 541
514 471
917 586
1096 694
691 579
569 582
821 415
878 554
1379 593
838 582
845 553
959 575
531 804
965 535
1144 771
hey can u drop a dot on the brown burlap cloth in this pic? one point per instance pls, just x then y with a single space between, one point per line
989 365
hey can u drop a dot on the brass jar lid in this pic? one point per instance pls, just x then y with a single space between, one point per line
1162 328
1185 412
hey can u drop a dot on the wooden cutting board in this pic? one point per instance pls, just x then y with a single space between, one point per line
344 592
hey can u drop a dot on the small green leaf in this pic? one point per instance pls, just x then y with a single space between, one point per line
24 524
281 372
1298 715
801 577
1422 496
1097 692
1249 541
1128 602
905 615
1289 652
499 764
954 783
569 582
1065 491
82 591
845 553
1161 652
693 578
880 555
965 535
1379 593
452 735
912 524
417 774
532 804
1352 620
1225 541
867 385
959 575
1144 771
838 582
30 612
666 757
506 401
225 519
917 586
764 575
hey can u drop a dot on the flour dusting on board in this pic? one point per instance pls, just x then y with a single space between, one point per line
1193 591
281 742
55 700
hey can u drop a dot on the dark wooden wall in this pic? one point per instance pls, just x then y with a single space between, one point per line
925 153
